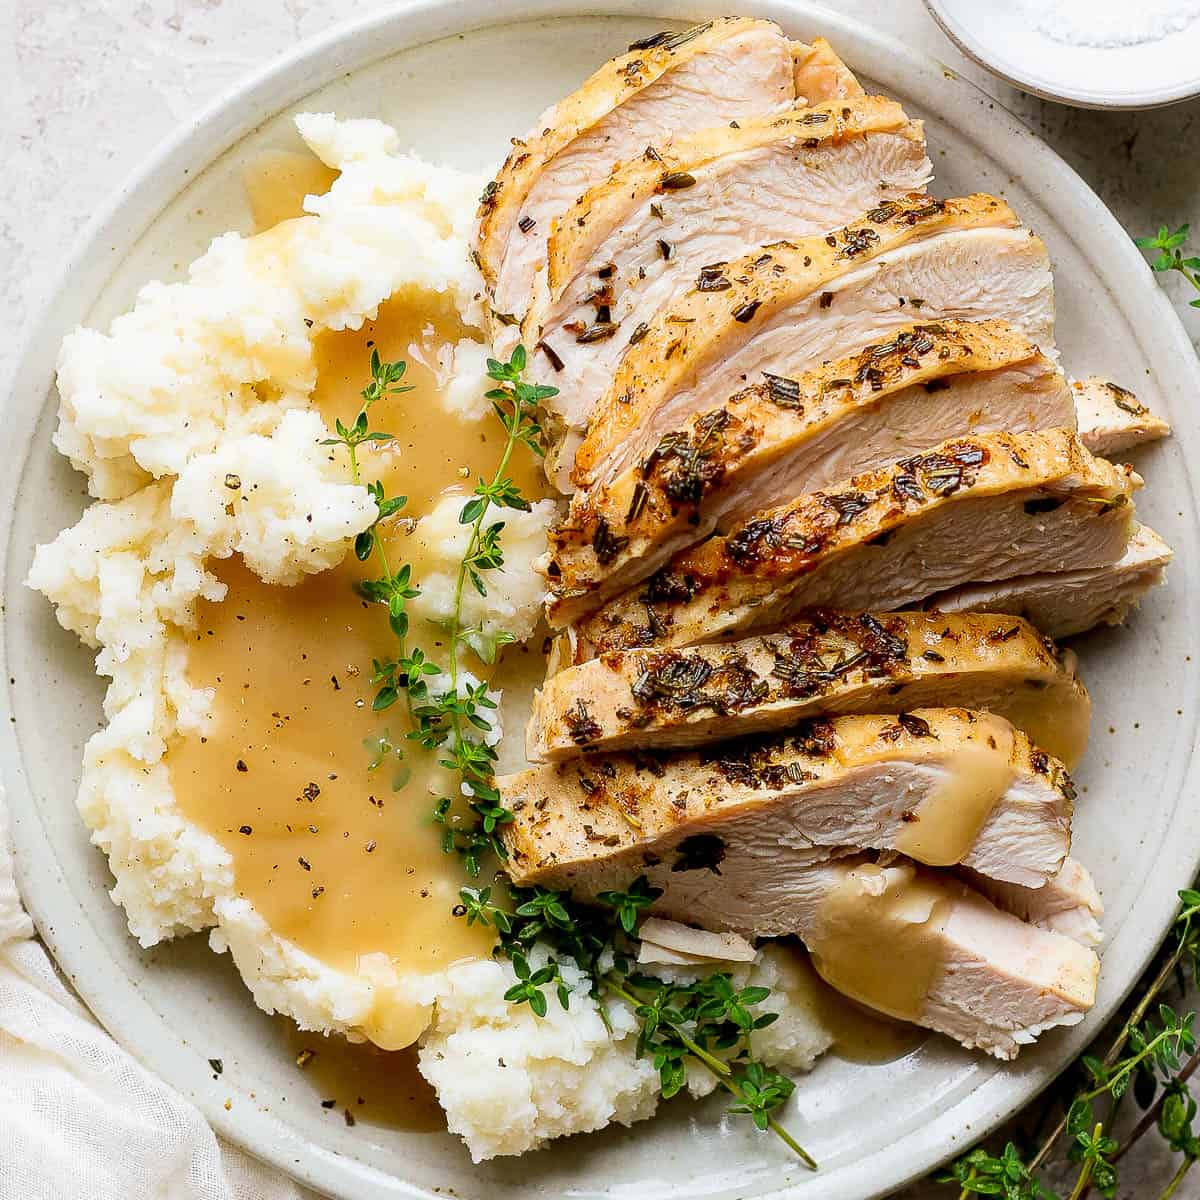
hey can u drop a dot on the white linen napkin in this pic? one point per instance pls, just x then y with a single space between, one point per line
79 1118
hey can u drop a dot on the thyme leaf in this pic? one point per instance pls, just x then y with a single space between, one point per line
1171 257
710 1021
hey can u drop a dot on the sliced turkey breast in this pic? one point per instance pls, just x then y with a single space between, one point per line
785 436
824 663
640 238
793 305
951 961
917 944
941 785
976 508
672 942
1068 904
908 899
1115 419
1064 603
819 73
672 83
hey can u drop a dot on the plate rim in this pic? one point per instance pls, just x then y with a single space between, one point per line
132 210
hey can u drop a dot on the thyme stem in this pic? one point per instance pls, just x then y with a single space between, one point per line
472 546
376 542
1128 1066
1171 254
720 1070
715 1065
1136 1017
1177 1179
1150 1116
1085 1174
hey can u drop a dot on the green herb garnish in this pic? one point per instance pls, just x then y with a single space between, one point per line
1170 247
709 1022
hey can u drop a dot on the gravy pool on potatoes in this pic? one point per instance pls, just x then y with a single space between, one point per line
341 859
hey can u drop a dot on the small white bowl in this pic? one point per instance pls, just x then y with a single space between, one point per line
1016 41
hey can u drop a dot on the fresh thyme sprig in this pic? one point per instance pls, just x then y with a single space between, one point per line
705 1021
1170 247
385 381
710 1021
447 722
1145 1059
393 589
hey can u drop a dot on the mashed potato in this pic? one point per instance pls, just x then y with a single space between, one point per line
515 593
208 381
204 381
511 1081
231 349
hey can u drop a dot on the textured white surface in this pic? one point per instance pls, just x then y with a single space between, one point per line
79 1118
88 86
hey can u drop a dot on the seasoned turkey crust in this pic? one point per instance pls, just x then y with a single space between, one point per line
824 663
678 345
976 507
780 438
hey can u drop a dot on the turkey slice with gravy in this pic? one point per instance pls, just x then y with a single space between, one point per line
943 786
729 855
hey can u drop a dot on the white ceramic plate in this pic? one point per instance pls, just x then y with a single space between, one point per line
458 84
1007 41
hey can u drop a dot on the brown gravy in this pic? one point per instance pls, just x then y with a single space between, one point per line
1058 720
859 1035
877 937
946 824
277 181
341 859
379 1087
